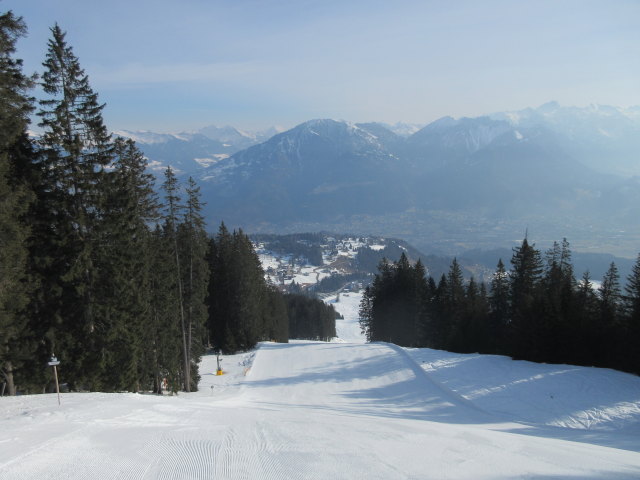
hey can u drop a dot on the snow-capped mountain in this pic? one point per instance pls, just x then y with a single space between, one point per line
499 173
316 169
448 139
560 171
404 129
602 137
189 152
144 137
229 135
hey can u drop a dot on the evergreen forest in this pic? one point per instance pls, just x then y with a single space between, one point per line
535 311
116 278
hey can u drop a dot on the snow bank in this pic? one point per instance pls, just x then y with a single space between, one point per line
558 395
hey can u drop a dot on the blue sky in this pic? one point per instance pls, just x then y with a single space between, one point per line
175 65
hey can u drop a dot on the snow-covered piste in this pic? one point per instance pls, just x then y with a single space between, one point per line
339 410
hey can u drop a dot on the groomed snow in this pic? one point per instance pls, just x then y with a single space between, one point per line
347 305
334 410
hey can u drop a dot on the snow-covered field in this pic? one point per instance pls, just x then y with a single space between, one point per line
339 410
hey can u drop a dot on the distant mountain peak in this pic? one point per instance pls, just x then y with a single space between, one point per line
443 122
404 129
458 137
226 134
144 137
549 107
333 129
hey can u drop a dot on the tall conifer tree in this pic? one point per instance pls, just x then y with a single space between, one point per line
164 357
123 261
453 307
193 244
524 284
16 347
76 149
632 317
173 208
588 334
499 306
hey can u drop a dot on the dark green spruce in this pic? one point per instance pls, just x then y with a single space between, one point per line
16 341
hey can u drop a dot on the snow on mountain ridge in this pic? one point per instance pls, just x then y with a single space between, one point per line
404 129
557 114
145 137
226 134
467 134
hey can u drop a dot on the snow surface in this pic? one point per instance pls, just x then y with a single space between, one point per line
582 398
347 305
337 410
145 137
207 161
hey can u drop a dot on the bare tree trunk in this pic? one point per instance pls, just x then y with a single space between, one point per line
185 351
190 321
8 376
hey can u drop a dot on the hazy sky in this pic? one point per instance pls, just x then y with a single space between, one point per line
174 65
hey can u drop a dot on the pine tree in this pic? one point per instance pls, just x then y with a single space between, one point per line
310 318
454 308
557 321
238 293
440 315
423 297
475 334
365 313
524 294
631 299
171 222
275 318
250 291
499 307
407 292
610 296
76 149
631 305
193 242
16 347
16 103
380 325
221 291
123 261
395 306
587 334
164 354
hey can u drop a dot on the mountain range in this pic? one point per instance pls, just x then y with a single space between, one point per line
189 152
452 185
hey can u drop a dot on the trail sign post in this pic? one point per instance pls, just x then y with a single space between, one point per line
219 371
54 362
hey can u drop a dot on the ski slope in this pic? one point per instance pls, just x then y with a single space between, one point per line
333 410
348 327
